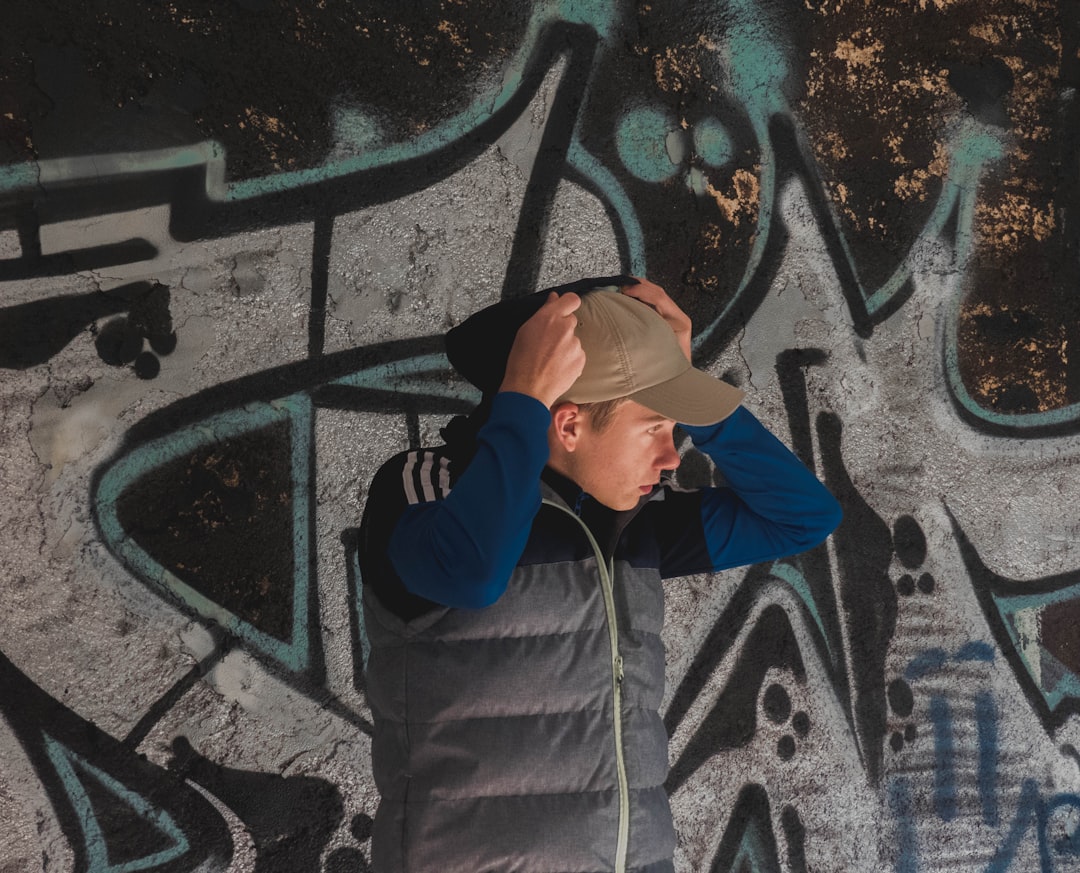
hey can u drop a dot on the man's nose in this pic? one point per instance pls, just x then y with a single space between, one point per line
671 458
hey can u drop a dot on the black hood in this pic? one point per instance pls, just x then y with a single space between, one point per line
478 348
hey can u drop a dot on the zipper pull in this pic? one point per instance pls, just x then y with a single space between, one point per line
618 668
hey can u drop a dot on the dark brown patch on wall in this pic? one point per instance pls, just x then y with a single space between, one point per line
263 77
885 85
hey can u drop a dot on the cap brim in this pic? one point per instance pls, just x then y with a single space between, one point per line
693 397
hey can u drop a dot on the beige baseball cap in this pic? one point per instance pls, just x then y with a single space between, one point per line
630 351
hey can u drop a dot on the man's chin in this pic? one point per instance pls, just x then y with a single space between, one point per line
622 504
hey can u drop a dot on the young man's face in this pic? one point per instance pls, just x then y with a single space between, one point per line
621 463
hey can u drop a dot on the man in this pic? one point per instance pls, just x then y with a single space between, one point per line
512 584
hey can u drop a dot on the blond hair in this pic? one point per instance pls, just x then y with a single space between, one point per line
601 412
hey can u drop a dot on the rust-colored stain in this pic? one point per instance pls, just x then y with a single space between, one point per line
275 136
684 65
678 69
886 85
1024 358
888 98
263 77
708 250
742 203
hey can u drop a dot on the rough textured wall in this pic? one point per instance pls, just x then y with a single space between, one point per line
231 235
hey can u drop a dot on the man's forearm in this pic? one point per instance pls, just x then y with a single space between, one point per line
774 505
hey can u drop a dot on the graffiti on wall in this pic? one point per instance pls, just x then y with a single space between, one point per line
904 129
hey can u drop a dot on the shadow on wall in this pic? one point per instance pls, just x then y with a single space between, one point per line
32 333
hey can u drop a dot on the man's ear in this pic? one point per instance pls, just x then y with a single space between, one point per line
567 421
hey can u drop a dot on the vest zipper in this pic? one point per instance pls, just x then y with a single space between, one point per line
607 577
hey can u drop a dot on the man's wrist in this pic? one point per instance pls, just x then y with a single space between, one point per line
523 404
511 387
524 420
702 434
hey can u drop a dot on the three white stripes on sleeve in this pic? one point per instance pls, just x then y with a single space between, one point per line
433 482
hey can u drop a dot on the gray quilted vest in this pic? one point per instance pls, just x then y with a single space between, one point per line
525 736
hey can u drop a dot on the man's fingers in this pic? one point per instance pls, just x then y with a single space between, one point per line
656 297
648 292
546 356
653 295
565 304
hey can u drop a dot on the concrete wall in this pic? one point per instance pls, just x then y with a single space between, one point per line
231 235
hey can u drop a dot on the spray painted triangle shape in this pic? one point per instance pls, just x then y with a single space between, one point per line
90 791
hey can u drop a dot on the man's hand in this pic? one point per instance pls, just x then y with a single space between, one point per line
546 357
658 299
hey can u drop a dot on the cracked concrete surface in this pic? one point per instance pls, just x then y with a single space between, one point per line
109 648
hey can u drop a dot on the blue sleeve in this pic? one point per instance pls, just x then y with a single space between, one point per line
772 505
461 549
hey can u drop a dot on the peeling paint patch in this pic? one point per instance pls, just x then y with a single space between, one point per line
1019 359
743 200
